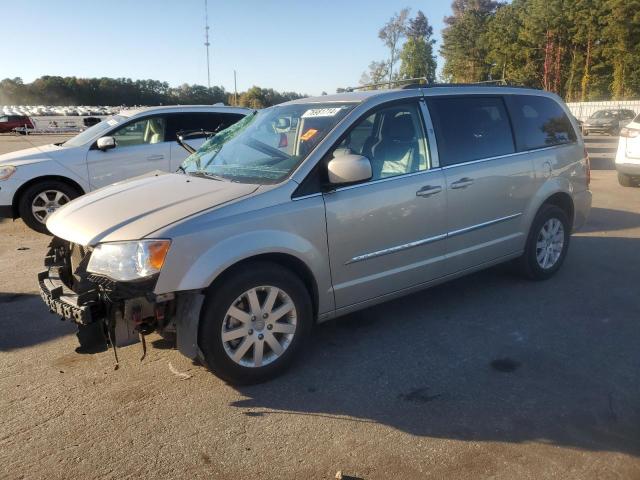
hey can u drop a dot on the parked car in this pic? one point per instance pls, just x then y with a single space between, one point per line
628 156
608 121
37 181
378 194
9 122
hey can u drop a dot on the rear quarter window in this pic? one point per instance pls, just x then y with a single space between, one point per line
539 122
470 128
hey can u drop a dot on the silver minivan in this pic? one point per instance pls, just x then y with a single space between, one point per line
315 208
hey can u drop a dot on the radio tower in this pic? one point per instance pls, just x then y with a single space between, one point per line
206 40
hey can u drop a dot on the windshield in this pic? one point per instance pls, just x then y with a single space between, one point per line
267 146
95 131
604 114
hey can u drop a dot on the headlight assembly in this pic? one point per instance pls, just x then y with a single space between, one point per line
127 261
6 171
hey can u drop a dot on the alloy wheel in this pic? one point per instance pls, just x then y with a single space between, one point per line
259 326
550 243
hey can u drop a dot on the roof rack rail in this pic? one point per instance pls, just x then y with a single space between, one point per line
389 83
422 82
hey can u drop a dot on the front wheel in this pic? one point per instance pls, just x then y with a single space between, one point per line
254 322
41 199
547 243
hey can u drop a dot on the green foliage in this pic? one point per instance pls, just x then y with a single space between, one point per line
417 58
581 49
50 90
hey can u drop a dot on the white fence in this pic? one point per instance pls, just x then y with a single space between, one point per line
582 110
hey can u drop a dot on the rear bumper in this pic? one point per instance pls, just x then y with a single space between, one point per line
629 168
582 208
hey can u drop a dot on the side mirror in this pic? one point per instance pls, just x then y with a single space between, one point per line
349 168
106 143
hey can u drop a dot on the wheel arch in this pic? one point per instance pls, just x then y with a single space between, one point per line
20 191
292 263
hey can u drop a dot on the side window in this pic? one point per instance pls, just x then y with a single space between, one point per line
470 128
539 122
4 119
145 131
392 138
194 121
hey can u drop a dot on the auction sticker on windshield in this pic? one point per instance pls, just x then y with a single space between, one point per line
321 112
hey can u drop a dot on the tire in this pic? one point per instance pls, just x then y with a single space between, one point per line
232 291
625 180
529 263
52 190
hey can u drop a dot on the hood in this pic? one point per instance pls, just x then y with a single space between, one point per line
30 155
135 208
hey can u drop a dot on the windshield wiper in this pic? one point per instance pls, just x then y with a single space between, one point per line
212 176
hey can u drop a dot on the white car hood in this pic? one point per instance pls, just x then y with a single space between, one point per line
135 208
30 155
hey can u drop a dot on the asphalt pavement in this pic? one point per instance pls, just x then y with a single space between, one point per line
489 376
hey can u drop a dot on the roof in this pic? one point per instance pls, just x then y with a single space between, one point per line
183 108
427 90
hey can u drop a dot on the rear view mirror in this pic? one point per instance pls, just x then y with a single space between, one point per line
105 143
349 168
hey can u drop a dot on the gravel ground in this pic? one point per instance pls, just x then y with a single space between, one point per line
489 376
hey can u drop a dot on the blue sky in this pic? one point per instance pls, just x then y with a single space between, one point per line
288 45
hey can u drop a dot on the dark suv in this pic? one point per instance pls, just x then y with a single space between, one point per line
607 121
9 122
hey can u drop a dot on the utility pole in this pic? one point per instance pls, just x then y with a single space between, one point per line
206 40
235 89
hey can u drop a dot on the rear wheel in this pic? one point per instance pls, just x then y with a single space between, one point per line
40 200
253 323
547 243
625 180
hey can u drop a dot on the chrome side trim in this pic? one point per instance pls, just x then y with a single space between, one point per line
515 154
304 197
397 248
482 225
425 241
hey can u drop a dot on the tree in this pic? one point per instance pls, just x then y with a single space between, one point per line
391 34
376 74
417 58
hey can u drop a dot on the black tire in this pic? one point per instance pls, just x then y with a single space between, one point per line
528 264
28 196
625 180
223 295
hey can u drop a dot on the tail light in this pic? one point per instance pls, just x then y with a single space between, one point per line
629 132
587 166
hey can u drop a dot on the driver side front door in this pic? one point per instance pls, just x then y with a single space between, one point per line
140 148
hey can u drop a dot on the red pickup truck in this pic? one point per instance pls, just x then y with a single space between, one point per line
9 122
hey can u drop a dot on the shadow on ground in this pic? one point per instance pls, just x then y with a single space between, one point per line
489 357
25 321
608 220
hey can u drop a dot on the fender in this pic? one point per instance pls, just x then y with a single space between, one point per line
552 186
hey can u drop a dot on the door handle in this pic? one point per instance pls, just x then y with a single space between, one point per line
428 190
153 158
462 183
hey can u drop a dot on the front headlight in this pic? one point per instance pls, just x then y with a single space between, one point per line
6 171
126 261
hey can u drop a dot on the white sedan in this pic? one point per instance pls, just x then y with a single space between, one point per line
37 181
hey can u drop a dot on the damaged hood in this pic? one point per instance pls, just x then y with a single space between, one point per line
135 208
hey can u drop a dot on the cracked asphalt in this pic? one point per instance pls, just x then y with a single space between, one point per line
489 376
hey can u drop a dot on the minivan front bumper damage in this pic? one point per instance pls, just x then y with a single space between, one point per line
109 312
